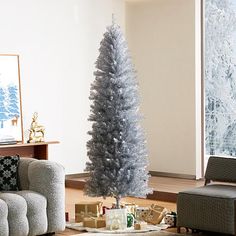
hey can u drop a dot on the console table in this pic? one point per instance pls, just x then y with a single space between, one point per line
33 150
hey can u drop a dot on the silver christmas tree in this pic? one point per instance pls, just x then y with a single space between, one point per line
117 148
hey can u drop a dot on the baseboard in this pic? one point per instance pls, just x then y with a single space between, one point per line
171 175
77 175
152 173
163 196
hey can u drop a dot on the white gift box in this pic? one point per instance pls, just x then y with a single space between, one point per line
116 219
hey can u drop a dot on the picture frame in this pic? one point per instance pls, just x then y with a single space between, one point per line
11 124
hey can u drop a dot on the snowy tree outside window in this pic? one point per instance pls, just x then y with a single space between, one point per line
220 77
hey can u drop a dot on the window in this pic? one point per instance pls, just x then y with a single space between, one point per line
220 77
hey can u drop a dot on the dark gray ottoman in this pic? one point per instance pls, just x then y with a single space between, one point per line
208 208
211 207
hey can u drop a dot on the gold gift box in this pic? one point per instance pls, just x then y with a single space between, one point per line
140 225
155 214
87 209
92 222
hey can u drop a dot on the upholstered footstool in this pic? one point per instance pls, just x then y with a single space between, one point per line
208 208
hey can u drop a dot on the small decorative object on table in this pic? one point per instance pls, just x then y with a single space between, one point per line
170 219
116 219
36 134
87 209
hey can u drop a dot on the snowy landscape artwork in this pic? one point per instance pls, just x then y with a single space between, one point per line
220 77
10 107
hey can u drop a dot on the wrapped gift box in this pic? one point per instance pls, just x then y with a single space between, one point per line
141 213
170 219
87 209
116 219
130 207
140 225
156 214
92 222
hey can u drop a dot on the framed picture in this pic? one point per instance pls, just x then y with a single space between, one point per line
11 128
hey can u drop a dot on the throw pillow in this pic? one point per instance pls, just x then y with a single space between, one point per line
9 173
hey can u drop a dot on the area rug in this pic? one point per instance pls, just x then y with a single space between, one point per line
150 231
160 233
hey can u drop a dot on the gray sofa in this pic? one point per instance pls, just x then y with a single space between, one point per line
211 207
39 207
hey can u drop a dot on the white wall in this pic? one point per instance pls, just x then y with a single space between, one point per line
58 42
162 38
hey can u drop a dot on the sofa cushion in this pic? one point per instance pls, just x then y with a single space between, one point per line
4 230
36 212
9 173
17 209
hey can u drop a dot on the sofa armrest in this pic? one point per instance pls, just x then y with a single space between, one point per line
23 168
48 178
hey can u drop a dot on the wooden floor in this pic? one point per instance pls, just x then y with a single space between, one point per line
173 185
74 195
165 189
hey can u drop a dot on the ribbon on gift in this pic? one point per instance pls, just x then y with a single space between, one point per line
86 214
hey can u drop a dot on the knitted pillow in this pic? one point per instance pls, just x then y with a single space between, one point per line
9 173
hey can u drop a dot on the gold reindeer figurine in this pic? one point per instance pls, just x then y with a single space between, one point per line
36 134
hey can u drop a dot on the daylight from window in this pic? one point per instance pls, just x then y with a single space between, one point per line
220 77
